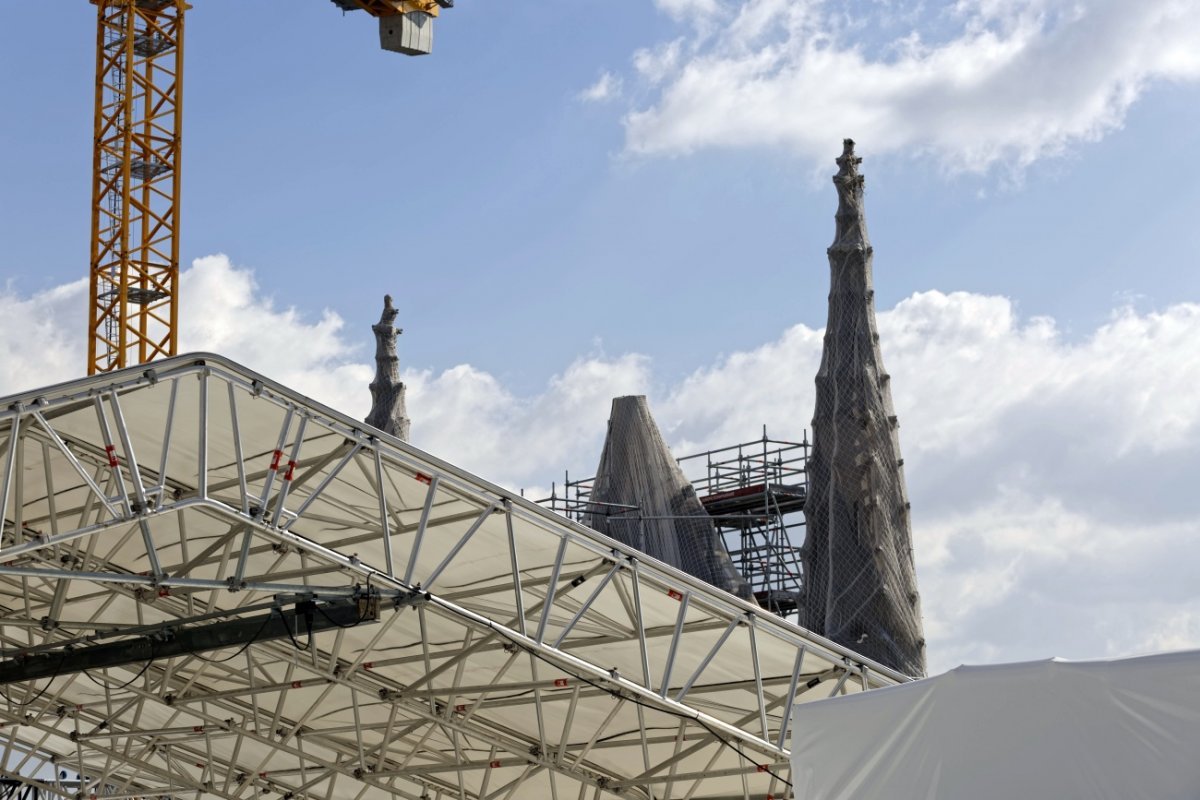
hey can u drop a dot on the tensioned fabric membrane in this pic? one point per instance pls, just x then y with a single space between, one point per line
499 650
1117 729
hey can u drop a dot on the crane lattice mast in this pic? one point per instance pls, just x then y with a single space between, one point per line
133 303
134 294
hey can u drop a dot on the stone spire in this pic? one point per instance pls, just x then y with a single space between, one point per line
388 413
860 581
641 497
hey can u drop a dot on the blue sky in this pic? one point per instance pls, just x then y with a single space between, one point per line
578 199
508 219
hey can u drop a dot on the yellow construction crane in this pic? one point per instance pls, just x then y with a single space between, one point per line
133 303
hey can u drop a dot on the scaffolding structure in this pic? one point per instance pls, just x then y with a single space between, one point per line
754 491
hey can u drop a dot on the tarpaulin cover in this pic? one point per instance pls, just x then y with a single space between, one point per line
1123 729
641 497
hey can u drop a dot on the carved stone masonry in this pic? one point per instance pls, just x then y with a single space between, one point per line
860 580
388 412
641 497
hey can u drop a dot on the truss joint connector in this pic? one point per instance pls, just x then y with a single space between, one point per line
411 599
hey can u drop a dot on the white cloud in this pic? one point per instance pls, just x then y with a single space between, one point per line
468 417
606 87
655 64
682 9
975 84
1052 480
43 336
44 339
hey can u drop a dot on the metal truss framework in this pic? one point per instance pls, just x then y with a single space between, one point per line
517 654
133 309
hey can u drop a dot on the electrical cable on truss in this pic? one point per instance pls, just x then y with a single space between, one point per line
172 639
133 297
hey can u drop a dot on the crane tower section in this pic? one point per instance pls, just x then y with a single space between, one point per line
133 301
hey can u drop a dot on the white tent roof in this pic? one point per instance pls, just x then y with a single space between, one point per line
548 661
1124 729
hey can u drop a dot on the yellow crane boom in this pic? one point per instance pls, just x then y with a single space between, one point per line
133 301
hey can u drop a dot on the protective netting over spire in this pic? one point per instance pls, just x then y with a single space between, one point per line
388 412
861 586
641 497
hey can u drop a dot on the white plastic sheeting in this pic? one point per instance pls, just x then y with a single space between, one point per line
1122 729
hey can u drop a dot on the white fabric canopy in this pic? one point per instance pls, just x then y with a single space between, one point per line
1121 729
538 659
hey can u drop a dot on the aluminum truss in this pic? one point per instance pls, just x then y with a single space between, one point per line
516 654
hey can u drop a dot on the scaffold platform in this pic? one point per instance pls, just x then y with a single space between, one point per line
754 491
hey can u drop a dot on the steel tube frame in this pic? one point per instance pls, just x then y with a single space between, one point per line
547 631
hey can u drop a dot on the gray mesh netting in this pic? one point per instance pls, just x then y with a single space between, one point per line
641 497
388 412
861 586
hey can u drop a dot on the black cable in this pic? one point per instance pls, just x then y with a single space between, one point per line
252 640
129 682
292 636
266 620
362 614
361 618
38 696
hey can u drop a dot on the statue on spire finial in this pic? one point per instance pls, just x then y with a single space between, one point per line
851 223
848 162
388 412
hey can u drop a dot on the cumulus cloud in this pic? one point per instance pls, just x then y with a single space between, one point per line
689 8
1052 478
226 312
606 87
973 84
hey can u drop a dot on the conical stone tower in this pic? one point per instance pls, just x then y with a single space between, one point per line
860 582
388 412
641 497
